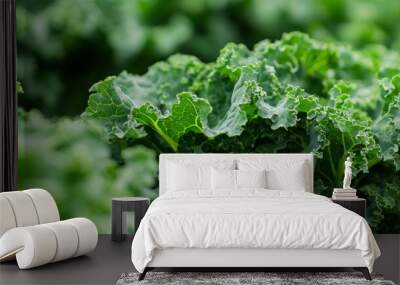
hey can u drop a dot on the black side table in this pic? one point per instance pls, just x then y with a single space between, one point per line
120 207
358 205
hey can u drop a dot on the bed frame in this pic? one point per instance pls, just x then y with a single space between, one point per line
242 259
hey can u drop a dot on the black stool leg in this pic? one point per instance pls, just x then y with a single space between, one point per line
364 271
143 274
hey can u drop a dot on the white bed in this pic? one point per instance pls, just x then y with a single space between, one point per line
250 227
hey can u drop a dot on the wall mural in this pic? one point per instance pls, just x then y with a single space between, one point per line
332 89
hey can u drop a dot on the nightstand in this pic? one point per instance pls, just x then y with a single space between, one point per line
358 205
120 207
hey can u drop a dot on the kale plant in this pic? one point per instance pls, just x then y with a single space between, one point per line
133 34
292 95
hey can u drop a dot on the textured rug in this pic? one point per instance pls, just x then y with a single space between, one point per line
243 278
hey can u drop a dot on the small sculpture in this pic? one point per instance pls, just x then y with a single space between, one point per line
347 173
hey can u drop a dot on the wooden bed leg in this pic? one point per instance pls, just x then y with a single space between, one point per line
143 274
364 271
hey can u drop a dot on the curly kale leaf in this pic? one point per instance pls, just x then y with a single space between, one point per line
187 115
387 126
293 95
111 105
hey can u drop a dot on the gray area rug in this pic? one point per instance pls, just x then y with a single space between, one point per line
233 278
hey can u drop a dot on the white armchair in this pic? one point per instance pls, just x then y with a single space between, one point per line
31 230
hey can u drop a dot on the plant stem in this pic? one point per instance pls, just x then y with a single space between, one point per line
333 169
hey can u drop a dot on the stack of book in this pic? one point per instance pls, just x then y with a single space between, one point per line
344 194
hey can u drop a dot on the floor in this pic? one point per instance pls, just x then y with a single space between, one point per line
103 266
389 263
110 260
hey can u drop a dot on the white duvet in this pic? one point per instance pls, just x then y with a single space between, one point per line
250 219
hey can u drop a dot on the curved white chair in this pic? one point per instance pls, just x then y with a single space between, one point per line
31 230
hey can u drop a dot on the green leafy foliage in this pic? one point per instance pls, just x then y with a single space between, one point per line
293 95
98 37
68 158
19 89
296 94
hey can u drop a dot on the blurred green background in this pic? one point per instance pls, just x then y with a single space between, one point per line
64 46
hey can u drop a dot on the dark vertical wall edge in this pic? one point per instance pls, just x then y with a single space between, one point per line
8 97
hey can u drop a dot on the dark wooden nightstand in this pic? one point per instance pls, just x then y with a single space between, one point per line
120 207
358 205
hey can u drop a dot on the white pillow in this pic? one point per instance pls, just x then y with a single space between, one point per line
292 180
226 179
289 175
181 177
223 179
251 178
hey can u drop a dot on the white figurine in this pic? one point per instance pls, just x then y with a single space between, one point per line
347 173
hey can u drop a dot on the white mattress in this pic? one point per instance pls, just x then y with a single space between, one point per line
256 257
253 219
